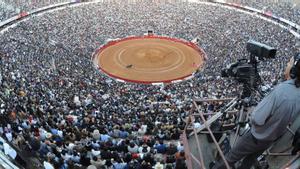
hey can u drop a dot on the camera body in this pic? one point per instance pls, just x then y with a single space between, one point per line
241 70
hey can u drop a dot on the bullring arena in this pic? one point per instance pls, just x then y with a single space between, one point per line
149 59
75 75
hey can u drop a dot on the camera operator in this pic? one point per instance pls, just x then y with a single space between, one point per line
269 119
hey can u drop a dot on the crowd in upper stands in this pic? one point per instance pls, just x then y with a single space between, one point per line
10 8
288 9
55 103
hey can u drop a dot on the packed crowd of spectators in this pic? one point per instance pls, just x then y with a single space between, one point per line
54 102
288 9
6 11
10 8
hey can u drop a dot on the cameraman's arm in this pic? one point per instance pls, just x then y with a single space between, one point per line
264 109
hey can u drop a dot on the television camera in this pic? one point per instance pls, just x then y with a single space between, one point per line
245 71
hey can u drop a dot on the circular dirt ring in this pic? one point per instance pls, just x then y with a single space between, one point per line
149 59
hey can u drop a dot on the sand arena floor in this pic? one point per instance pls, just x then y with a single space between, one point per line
149 59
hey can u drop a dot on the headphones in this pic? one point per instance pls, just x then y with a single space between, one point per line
293 72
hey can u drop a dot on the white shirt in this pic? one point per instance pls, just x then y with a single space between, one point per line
8 135
48 165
